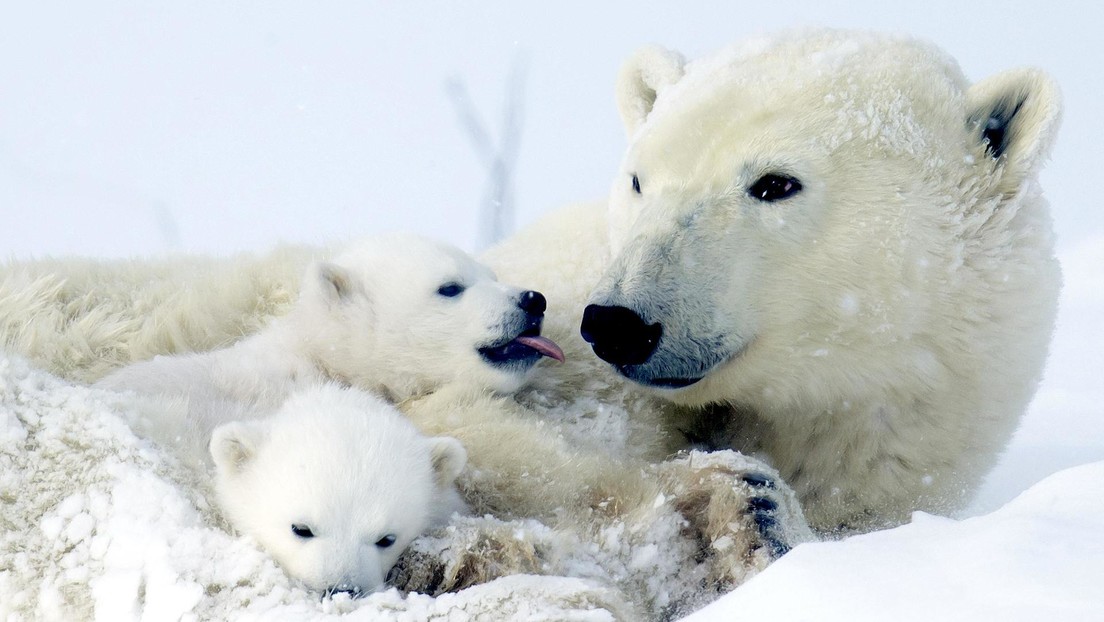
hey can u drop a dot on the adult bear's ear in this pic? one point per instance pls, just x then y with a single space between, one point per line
448 457
642 78
234 445
1014 117
334 282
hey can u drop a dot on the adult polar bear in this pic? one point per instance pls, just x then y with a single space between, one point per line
873 320
827 249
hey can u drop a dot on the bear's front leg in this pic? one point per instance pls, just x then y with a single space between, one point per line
738 509
474 553
472 550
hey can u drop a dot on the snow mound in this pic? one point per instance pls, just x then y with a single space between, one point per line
1039 557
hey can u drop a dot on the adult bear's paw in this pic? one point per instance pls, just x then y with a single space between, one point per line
495 569
738 509
471 551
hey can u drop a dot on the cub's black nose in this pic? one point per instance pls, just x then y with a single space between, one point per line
619 335
345 588
533 302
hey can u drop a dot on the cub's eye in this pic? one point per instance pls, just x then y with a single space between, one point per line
386 541
636 184
774 188
450 290
302 531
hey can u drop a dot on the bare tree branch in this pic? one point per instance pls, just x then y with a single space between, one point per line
469 119
497 211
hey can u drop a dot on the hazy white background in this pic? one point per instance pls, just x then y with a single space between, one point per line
132 128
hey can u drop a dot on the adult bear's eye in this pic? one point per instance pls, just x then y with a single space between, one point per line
450 290
774 188
386 541
636 184
302 531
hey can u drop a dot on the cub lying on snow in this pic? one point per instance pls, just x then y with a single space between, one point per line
334 485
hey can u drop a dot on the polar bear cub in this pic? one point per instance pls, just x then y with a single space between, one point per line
399 315
335 485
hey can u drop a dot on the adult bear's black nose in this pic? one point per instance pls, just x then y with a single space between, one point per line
532 302
619 335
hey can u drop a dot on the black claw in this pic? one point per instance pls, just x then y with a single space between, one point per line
777 547
758 480
762 510
765 522
762 504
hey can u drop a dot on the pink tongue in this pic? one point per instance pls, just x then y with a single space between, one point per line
544 345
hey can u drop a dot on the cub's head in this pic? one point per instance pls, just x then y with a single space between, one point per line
335 485
806 206
402 315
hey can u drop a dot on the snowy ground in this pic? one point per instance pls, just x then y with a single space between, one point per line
133 128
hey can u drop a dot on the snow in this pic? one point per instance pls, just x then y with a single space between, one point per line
135 128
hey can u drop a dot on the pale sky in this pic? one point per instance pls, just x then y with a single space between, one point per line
135 127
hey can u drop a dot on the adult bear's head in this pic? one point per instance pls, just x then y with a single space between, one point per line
811 208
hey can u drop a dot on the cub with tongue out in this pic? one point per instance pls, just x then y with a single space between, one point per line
400 315
403 315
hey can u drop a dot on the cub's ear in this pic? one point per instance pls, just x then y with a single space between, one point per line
448 457
642 78
235 444
333 282
1015 116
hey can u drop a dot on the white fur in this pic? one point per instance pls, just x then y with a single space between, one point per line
344 464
